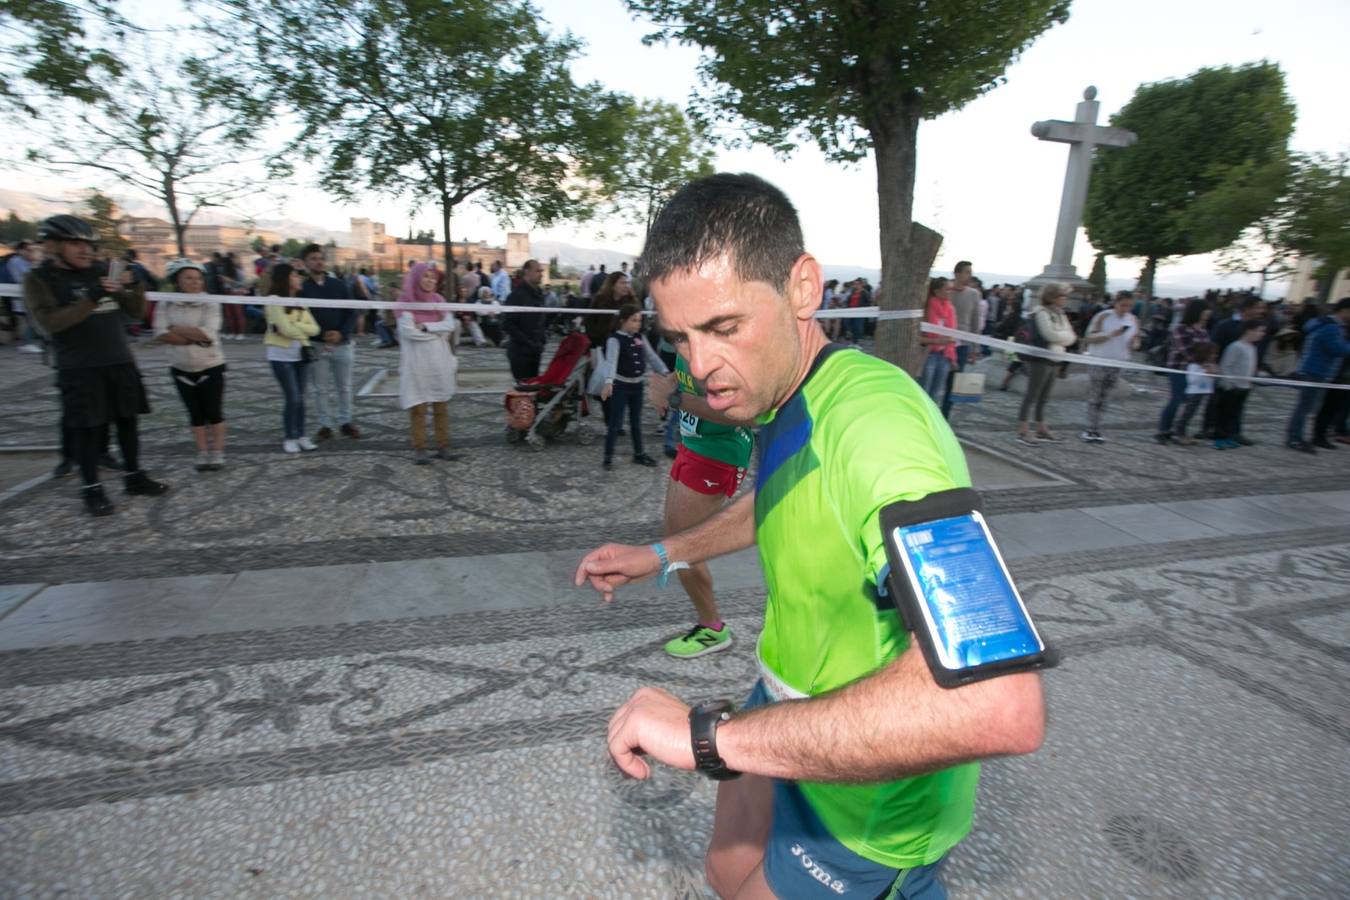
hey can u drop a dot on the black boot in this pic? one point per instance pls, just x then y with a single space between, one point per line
96 502
140 483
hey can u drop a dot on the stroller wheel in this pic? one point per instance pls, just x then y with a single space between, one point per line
513 436
535 442
585 435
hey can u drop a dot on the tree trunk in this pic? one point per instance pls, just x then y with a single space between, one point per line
179 227
449 249
907 248
1145 286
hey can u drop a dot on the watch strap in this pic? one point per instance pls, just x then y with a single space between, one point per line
703 722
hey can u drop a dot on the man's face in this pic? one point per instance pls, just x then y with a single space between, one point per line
72 254
962 277
739 337
495 266
534 274
314 263
1123 305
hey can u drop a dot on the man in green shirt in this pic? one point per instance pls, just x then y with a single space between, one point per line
859 771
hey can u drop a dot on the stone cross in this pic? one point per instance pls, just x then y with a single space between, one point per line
1083 135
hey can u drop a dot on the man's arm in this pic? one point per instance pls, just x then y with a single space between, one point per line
614 565
893 724
132 298
49 317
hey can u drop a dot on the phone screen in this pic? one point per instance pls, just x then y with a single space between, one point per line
115 269
969 605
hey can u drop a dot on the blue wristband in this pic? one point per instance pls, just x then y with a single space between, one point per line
660 550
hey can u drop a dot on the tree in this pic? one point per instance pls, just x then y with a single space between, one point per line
426 237
553 270
159 137
292 247
47 47
1098 275
441 102
855 77
15 229
1318 222
1207 165
103 214
258 244
639 175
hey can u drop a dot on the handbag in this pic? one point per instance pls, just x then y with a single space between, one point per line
308 354
967 387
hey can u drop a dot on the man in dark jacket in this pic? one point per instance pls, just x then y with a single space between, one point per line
525 331
1324 344
85 314
337 352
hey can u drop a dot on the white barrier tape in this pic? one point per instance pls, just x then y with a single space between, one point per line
1085 360
858 312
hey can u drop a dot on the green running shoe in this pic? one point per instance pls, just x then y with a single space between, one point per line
700 640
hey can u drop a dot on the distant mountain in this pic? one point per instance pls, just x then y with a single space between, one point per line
571 256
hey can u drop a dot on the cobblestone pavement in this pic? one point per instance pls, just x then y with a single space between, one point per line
1199 722
1199 727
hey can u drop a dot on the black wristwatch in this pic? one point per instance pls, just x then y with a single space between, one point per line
675 400
703 722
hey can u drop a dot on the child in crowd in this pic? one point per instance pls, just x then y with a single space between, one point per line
627 356
1237 366
1199 386
196 361
427 363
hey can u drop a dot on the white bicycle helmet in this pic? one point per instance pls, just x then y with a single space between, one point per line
177 265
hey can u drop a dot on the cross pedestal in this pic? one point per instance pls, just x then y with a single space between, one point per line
1083 135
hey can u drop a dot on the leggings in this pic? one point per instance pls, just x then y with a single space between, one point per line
626 397
1040 382
89 444
202 393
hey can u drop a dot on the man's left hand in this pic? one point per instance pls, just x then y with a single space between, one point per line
652 723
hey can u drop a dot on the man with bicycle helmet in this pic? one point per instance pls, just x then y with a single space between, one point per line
85 308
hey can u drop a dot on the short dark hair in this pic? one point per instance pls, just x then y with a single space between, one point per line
310 248
1251 325
1248 302
276 248
963 264
1124 295
742 216
627 311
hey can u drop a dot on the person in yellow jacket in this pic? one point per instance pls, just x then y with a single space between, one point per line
289 329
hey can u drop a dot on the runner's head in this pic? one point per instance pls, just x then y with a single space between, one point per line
735 290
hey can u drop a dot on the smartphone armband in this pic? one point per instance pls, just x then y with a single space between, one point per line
953 590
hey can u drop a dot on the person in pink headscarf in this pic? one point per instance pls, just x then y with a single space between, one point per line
427 364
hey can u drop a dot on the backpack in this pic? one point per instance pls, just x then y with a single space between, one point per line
1028 333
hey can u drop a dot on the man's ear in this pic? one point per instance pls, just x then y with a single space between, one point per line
805 285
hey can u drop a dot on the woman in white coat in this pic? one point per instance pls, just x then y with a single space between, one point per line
427 363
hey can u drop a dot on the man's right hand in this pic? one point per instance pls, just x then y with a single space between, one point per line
612 566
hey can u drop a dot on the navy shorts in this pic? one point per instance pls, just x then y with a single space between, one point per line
802 859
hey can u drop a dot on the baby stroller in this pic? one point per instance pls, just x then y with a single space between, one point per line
539 409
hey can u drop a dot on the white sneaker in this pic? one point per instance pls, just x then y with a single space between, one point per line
31 348
290 446
306 444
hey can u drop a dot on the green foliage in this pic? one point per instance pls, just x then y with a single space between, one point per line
47 49
835 71
553 270
259 245
438 101
101 211
14 229
426 237
654 151
1098 275
155 135
1317 225
1210 161
291 247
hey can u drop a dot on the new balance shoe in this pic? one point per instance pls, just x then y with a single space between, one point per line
700 640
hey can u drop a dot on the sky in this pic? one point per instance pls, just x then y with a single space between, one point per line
983 181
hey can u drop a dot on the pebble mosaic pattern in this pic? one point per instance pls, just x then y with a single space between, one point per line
1195 723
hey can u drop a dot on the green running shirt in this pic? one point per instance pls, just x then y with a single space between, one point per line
731 444
857 435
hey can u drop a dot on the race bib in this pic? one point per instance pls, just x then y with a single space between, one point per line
688 424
